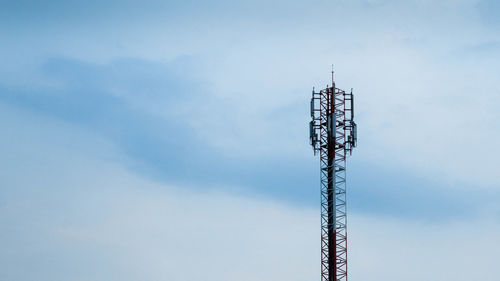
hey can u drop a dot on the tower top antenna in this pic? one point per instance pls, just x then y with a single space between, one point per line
333 83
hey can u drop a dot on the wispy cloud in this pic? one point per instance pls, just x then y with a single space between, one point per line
81 215
127 126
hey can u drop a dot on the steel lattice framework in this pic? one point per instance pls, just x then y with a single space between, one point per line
333 135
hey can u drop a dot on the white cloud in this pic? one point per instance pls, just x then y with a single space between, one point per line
70 211
68 214
425 99
386 249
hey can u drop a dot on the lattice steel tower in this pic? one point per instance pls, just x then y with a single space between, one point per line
333 134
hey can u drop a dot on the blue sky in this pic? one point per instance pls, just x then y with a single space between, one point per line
122 116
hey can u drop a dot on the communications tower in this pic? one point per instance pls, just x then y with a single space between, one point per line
333 135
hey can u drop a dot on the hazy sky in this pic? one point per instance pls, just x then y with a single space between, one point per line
168 140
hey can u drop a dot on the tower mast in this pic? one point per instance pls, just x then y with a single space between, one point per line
333 135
